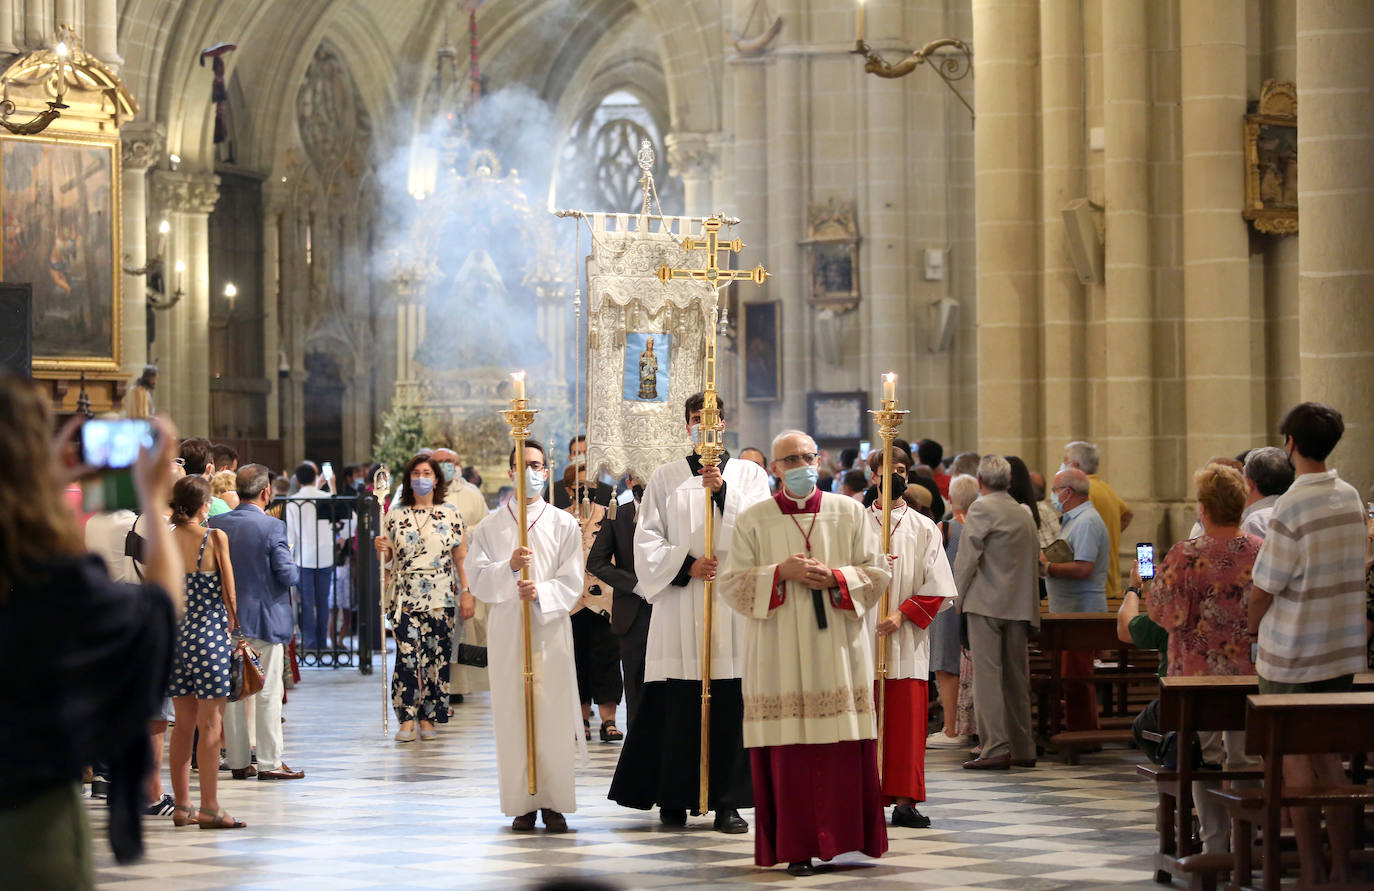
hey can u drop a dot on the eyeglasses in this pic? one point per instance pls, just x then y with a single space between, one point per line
536 466
797 460
179 462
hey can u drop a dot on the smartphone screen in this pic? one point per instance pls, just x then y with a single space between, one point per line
113 444
865 448
327 472
1145 557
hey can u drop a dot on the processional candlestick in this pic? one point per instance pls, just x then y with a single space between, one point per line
710 447
381 488
889 419
520 417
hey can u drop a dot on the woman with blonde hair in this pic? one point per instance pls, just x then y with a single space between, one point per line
224 486
94 652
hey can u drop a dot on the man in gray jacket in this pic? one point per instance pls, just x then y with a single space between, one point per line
996 573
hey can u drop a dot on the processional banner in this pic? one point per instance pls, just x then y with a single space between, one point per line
645 342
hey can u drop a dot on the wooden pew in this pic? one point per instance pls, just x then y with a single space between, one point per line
1294 724
1083 631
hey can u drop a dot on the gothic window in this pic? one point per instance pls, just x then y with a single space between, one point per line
598 163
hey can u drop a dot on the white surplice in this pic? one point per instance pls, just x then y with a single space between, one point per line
803 684
556 541
921 570
672 525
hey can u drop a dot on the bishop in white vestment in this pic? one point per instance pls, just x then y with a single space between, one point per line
660 763
922 586
555 543
804 568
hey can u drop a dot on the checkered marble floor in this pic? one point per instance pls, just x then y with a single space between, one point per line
374 813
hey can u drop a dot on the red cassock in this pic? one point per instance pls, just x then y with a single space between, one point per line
904 719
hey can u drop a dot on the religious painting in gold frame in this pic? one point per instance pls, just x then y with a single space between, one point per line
1271 160
832 256
761 334
59 201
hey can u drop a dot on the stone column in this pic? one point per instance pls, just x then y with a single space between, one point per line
1336 200
1216 281
1006 38
141 148
787 199
691 156
7 27
102 30
272 201
1281 257
1130 396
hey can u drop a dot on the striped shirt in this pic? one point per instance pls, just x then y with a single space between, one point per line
1312 562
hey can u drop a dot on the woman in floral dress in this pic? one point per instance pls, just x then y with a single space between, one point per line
427 537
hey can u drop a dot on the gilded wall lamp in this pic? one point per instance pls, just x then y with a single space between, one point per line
950 58
56 60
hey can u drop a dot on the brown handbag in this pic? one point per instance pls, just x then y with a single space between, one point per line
245 669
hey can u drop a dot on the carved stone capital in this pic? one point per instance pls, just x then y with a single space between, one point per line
692 155
141 145
184 192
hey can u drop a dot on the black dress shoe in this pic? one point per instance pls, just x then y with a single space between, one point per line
988 764
524 822
456 698
672 816
907 815
730 822
801 868
1023 762
553 820
243 773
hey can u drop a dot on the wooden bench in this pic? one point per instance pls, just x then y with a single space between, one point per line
1188 706
1294 724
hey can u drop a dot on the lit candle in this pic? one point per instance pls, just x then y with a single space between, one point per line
518 379
163 229
890 387
181 270
861 21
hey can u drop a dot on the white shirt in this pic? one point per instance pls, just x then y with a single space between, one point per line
311 551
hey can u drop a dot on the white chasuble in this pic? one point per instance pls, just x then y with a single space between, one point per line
672 526
920 577
556 541
803 683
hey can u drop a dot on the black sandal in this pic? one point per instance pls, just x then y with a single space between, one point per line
587 728
610 732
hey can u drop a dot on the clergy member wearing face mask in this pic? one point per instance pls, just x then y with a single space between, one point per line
554 560
804 571
660 762
426 537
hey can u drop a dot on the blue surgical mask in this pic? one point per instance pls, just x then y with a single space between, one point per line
534 483
448 468
801 480
422 485
695 433
1054 499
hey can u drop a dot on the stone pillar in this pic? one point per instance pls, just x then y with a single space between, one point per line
692 157
787 137
7 27
1216 278
185 364
1062 180
272 202
102 30
1336 199
1130 398
1281 256
141 148
882 170
39 28
1006 38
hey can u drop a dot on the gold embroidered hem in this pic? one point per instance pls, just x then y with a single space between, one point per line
808 704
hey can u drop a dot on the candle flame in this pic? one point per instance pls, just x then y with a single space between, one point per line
181 266
517 376
890 377
62 49
164 227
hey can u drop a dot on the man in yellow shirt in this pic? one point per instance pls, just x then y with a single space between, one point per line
1109 506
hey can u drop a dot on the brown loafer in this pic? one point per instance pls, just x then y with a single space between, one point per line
1023 762
988 764
244 773
281 773
553 820
523 823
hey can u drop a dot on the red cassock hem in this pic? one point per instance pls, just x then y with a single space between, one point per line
904 745
817 801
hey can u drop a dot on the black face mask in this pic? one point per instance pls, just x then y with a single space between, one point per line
638 491
875 493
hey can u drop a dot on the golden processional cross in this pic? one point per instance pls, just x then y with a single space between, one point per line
710 448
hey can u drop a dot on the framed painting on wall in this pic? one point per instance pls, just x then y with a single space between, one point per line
59 201
838 419
762 335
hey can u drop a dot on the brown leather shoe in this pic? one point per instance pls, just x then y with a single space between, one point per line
988 764
244 773
523 823
1023 762
553 820
281 773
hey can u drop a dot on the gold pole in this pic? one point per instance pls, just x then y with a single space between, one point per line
889 420
381 488
519 418
710 450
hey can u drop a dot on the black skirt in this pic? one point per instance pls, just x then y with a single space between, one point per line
596 653
659 763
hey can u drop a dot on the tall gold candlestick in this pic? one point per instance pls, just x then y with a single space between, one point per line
381 489
889 419
519 418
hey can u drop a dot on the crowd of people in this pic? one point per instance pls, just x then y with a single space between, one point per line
614 576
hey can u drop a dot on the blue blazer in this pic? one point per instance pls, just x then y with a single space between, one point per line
263 572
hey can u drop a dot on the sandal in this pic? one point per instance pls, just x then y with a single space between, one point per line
221 820
610 732
587 728
191 815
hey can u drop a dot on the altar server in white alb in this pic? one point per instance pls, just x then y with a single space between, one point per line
804 568
922 585
554 557
660 763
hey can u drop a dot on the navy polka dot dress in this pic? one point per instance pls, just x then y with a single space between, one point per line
200 666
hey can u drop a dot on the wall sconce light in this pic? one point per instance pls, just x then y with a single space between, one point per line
56 58
177 294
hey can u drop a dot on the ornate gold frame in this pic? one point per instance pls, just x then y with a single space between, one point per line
832 233
1267 168
102 364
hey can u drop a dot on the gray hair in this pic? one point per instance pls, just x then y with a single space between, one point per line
1270 470
994 471
964 463
251 480
777 440
1084 454
1076 480
963 491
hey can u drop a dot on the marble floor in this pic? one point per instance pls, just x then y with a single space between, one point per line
372 813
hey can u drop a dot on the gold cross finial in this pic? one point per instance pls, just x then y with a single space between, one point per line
713 275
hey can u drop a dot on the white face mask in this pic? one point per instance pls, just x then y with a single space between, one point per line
534 482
